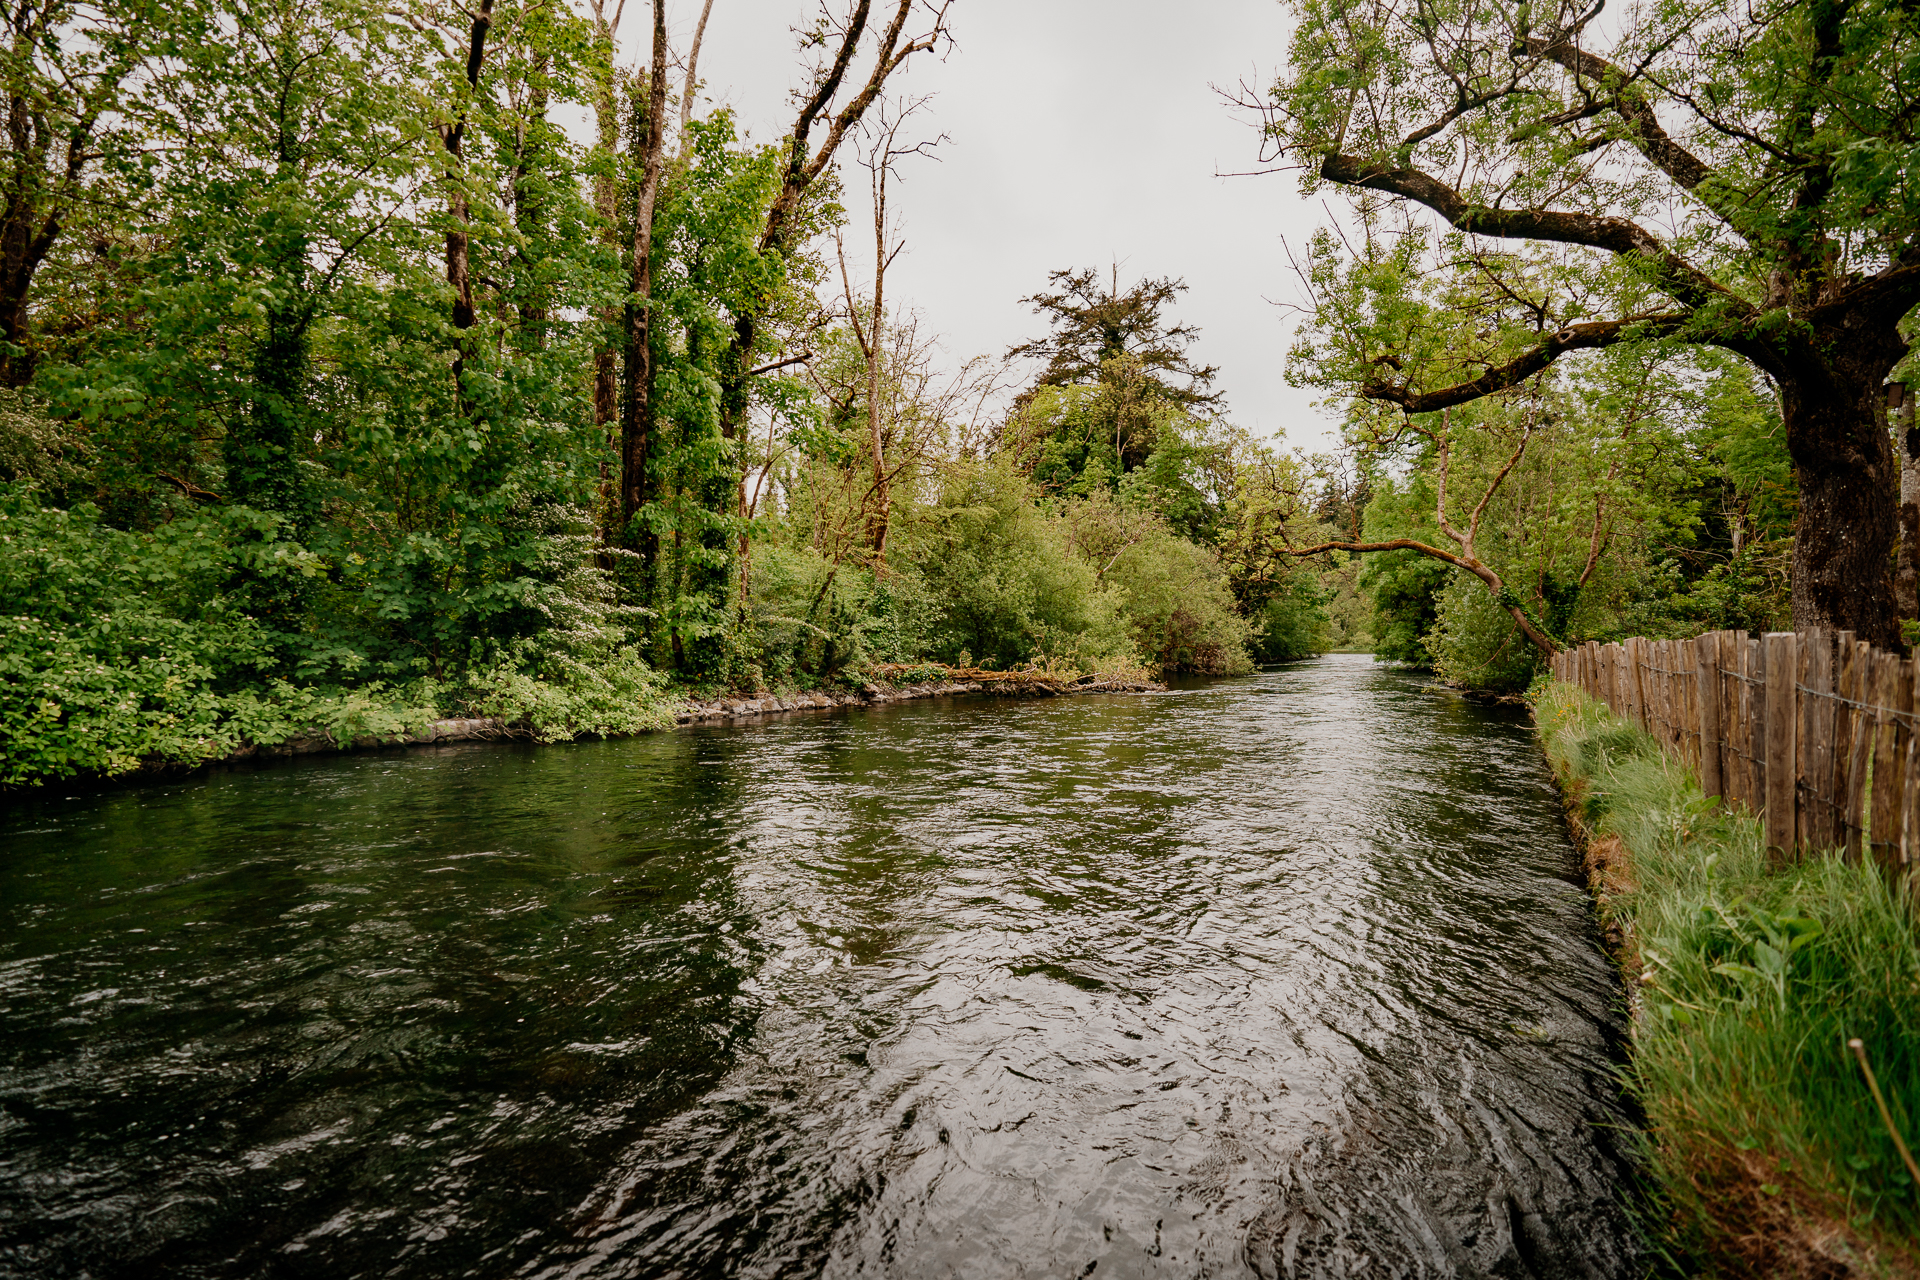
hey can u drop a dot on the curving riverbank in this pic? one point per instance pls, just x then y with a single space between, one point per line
712 710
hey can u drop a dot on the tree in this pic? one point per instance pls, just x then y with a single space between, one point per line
883 148
1119 388
1773 141
647 145
1091 328
791 217
63 67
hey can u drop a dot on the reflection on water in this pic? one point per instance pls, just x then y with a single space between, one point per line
1276 976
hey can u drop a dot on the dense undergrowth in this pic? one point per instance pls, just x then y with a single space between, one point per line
1768 1153
124 649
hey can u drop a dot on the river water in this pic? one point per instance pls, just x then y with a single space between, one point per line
1285 975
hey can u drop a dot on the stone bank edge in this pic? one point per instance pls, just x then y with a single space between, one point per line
708 711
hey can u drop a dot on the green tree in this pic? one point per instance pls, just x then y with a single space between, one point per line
1774 145
1090 327
64 69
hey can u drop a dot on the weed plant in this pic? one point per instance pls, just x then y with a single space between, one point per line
1767 1148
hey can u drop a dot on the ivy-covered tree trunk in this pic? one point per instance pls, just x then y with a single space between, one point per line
262 451
637 409
1906 578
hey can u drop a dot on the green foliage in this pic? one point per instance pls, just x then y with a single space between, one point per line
38 448
296 483
1406 589
1475 642
1009 587
1095 329
1178 609
118 648
811 620
1756 978
1405 585
1294 623
123 649
1643 493
560 692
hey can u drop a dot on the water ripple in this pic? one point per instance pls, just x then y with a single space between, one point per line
1283 976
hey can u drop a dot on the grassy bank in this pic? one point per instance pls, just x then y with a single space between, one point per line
1769 1154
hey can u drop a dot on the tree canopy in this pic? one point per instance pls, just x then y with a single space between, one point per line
1091 326
1721 174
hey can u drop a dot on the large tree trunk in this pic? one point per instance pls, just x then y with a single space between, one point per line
637 408
25 239
1849 479
262 447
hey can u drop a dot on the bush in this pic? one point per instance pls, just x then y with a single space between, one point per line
120 649
1294 623
809 619
1406 588
1475 643
1008 587
1177 606
114 646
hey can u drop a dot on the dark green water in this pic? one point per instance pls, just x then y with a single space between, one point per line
1279 976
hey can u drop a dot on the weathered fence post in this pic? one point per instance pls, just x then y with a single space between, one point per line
1695 689
1815 698
1783 665
1859 686
1637 682
1734 775
1755 714
1843 700
1706 665
1669 703
1907 830
1892 698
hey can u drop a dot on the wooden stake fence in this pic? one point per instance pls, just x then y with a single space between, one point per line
1812 731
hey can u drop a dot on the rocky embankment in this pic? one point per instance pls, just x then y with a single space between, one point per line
1012 684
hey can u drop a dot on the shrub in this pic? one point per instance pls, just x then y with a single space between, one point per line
1177 606
1008 587
1293 623
810 619
1475 643
1406 588
119 649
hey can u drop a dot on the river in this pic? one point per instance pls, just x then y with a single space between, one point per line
1283 975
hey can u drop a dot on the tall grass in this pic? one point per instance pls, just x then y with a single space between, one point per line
1764 1140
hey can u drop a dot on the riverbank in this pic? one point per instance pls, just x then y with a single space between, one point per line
1768 1153
1038 683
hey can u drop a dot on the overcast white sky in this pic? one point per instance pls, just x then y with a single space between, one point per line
1080 131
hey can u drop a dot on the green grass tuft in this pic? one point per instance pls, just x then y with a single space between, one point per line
1764 1141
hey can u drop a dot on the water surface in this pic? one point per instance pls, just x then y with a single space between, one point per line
1284 975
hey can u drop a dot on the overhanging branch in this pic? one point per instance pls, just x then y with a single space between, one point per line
1590 336
1540 639
1621 236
